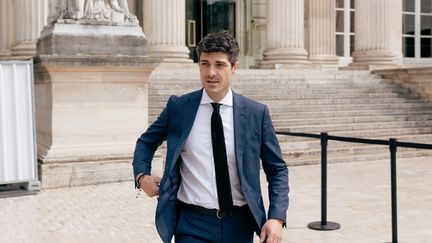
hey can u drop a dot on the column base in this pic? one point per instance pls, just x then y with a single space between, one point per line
264 65
371 60
281 58
324 61
24 50
5 54
369 67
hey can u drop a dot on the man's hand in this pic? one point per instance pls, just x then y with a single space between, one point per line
271 232
150 185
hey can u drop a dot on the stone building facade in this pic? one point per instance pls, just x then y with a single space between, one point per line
272 33
91 100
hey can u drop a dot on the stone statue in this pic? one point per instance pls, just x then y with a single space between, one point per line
100 10
70 9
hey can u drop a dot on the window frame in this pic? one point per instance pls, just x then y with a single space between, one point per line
347 34
417 31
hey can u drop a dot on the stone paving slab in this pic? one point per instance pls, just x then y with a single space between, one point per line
358 199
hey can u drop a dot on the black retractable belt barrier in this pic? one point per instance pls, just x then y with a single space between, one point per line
392 143
393 149
324 224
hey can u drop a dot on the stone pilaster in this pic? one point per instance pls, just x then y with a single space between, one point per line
377 37
6 28
322 39
164 27
285 34
30 16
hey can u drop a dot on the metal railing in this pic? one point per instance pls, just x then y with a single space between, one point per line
391 143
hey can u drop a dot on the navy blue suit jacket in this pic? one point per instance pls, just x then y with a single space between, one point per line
254 139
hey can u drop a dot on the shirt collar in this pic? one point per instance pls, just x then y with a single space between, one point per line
227 100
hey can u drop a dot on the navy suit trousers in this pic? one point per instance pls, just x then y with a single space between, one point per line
194 227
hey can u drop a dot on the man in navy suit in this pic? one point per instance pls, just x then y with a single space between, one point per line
210 189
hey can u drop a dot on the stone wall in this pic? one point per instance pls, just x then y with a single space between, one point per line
418 79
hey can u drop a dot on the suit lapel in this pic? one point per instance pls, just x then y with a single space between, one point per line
240 121
190 108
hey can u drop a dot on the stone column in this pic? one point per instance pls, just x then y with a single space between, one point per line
164 27
6 28
30 16
322 28
285 34
377 37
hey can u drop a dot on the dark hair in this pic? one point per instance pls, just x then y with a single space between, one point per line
219 42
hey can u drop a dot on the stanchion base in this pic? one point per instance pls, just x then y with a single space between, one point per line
318 226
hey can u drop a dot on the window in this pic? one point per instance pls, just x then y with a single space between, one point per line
417 28
344 27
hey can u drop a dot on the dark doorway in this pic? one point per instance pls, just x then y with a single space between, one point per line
207 16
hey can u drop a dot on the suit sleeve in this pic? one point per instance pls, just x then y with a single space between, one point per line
149 141
275 169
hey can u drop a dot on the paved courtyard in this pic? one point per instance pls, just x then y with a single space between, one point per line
358 199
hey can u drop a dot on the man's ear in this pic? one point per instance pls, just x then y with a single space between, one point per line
235 67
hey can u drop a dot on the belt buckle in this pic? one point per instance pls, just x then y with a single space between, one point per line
217 214
223 214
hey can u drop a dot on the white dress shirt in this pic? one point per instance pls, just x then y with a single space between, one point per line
198 183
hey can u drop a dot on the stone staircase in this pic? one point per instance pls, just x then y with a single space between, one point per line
342 103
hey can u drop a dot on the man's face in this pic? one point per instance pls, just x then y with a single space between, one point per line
215 72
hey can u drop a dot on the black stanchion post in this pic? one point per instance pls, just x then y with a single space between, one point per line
324 224
393 149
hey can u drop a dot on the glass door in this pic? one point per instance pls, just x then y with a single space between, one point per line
207 16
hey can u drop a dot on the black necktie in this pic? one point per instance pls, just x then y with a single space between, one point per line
220 159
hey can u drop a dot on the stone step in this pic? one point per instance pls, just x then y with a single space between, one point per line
188 73
345 107
294 144
157 100
317 115
269 99
354 149
324 101
312 145
356 157
308 150
190 78
285 83
301 91
352 119
344 103
153 113
355 126
334 108
263 98
349 113
339 152
375 133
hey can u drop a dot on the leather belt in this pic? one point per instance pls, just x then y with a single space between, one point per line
211 212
